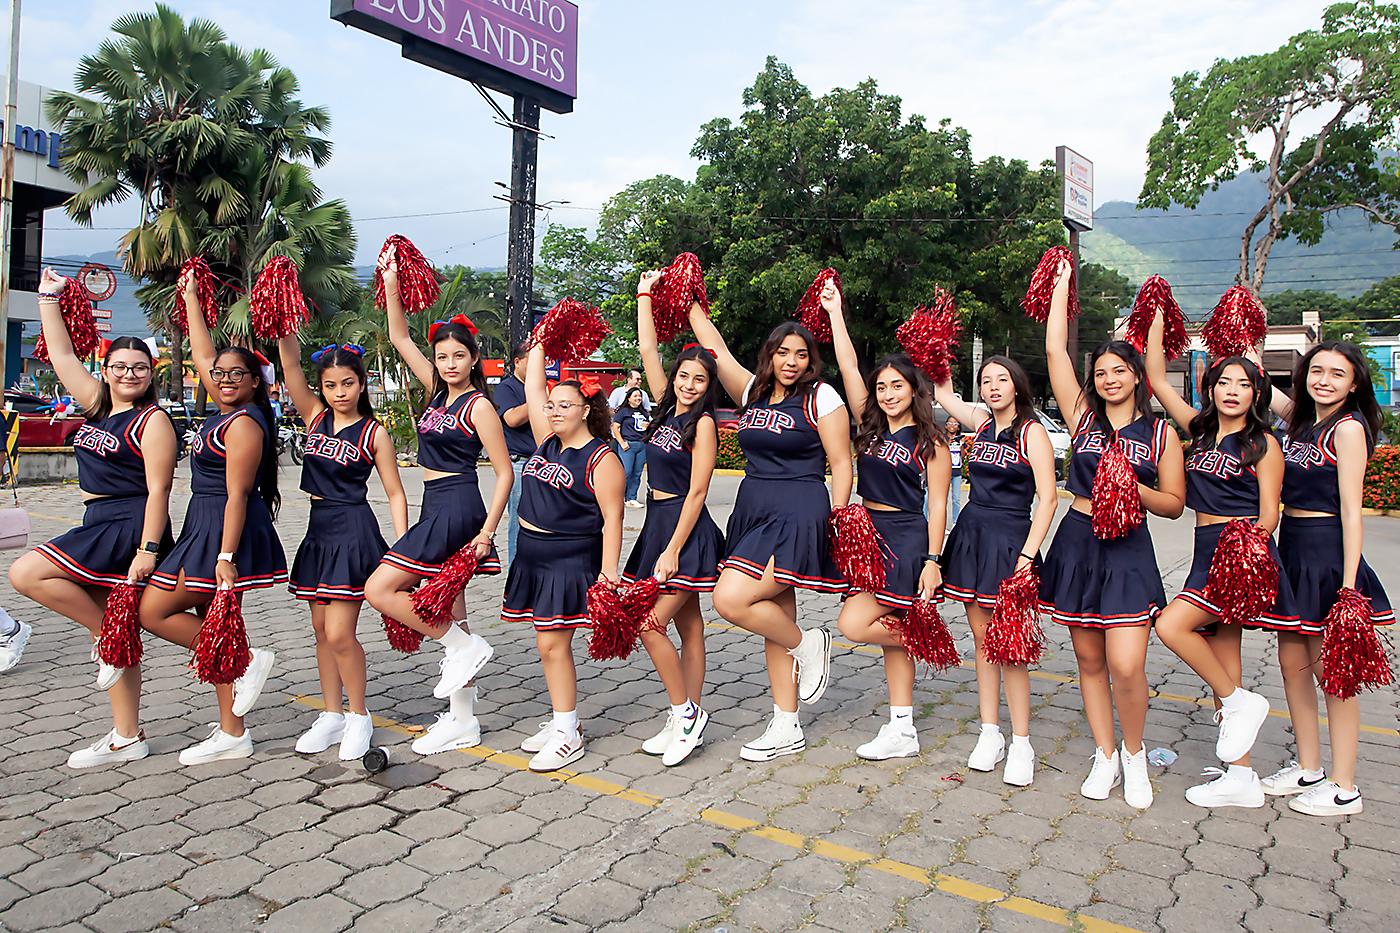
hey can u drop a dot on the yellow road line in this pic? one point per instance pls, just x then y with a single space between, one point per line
735 823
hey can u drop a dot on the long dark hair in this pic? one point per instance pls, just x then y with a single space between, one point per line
666 407
103 408
1020 384
267 468
1361 400
873 420
452 330
1142 395
339 356
599 416
765 377
1254 438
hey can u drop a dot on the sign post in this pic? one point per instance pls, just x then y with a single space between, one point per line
1077 211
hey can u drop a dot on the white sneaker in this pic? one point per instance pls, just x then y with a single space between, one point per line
107 675
1290 779
1327 799
1020 764
657 744
324 732
811 664
359 731
1236 786
12 646
559 751
460 665
249 687
892 741
989 750
448 734
1137 786
111 749
220 746
1239 727
689 735
1104 775
776 741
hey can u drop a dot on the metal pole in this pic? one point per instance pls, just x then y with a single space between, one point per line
1073 341
520 263
7 182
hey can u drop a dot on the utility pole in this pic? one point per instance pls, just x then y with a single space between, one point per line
7 183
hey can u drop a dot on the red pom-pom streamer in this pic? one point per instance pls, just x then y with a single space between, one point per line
1243 578
930 335
76 308
857 548
682 283
206 287
221 655
1236 326
1014 635
1115 504
571 331
419 287
810 311
924 635
1156 295
401 637
119 639
433 599
1353 658
1036 304
276 306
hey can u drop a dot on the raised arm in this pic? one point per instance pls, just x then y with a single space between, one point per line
537 394
1176 407
732 375
961 411
306 400
1064 381
846 357
399 335
646 335
81 384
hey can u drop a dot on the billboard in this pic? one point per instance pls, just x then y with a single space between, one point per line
518 47
1077 180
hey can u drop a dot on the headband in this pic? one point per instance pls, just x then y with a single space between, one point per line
352 348
455 319
696 346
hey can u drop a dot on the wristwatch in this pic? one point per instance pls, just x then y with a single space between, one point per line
226 555
151 547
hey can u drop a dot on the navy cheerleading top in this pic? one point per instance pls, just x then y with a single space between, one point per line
556 492
338 463
1310 468
1142 441
209 456
999 466
892 471
1218 483
447 442
668 459
780 439
109 456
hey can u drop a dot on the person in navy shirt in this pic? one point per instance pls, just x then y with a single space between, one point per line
509 399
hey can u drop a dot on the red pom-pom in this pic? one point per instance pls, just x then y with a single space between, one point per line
1013 634
433 599
419 287
1243 578
205 287
1115 505
1236 326
1156 295
1036 304
571 331
924 635
930 335
119 639
276 306
1353 658
857 548
221 655
76 308
810 311
682 283
401 637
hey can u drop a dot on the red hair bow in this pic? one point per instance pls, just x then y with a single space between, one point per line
694 345
588 386
455 319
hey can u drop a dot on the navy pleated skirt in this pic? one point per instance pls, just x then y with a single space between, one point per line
1283 617
1311 552
341 549
452 515
697 570
981 551
786 522
549 577
259 560
100 550
1100 584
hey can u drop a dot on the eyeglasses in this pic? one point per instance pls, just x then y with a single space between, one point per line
121 370
561 406
229 375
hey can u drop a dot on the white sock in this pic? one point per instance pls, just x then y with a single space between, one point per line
566 722
783 717
902 715
462 703
1234 700
1019 740
455 637
990 728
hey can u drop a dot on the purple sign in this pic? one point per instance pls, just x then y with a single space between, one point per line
536 40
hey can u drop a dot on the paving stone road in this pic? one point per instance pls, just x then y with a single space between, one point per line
820 841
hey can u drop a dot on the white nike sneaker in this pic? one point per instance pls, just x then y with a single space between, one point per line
1327 799
359 732
107 675
776 741
249 687
1104 775
689 735
811 664
460 665
12 646
111 749
448 734
989 750
561 750
892 741
1239 726
1236 786
1291 779
657 744
324 732
220 746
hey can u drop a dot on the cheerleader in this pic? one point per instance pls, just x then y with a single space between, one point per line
1108 592
126 459
227 540
903 457
570 537
1332 423
791 425
343 546
680 544
1011 463
458 423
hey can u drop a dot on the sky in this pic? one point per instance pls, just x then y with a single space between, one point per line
1021 76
